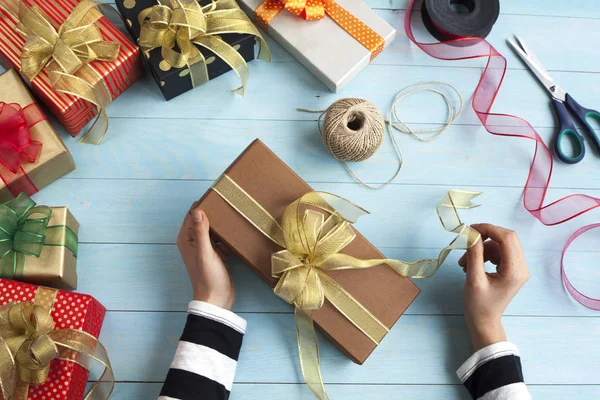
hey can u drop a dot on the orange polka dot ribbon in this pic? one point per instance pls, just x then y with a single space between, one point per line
29 342
311 10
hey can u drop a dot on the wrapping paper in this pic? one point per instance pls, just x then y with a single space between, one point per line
54 160
73 113
322 46
175 81
56 266
67 380
274 186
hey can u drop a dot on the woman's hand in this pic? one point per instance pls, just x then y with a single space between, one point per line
486 295
205 265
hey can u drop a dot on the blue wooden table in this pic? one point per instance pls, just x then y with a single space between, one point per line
131 193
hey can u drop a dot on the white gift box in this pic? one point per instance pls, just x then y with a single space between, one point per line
323 46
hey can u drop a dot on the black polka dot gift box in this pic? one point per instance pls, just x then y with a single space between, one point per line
189 42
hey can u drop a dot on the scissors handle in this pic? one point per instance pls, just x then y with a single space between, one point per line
584 115
567 128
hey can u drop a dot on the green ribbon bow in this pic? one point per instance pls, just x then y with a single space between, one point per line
24 231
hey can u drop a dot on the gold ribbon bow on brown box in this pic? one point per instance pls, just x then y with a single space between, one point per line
178 27
313 231
64 52
28 343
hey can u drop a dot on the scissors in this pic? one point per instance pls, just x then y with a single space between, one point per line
562 101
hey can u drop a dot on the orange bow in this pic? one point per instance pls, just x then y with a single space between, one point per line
307 9
316 9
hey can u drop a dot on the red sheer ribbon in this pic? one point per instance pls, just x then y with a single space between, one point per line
540 171
16 145
581 298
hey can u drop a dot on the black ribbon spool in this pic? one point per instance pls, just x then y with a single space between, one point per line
451 19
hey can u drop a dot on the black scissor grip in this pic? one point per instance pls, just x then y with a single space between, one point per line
567 129
583 114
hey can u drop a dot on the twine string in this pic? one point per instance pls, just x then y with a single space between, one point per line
354 128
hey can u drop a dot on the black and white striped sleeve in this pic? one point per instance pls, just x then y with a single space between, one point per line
206 357
494 373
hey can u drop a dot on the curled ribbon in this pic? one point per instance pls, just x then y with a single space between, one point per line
24 231
177 27
315 10
313 232
64 51
16 145
28 343
540 172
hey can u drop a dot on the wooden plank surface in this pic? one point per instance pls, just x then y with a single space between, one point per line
131 193
421 349
367 392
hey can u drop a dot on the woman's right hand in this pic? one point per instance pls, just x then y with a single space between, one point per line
486 295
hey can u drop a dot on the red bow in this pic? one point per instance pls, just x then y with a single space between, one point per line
15 138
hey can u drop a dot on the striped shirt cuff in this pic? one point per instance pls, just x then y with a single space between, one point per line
484 355
494 373
218 314
206 357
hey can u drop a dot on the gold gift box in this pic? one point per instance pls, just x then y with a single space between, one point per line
54 160
56 265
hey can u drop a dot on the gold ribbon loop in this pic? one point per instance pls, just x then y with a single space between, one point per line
28 343
178 27
314 230
65 52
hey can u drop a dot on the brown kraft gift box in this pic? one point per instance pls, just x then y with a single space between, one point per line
274 186
54 159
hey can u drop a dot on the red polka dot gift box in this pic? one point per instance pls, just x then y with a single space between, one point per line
36 321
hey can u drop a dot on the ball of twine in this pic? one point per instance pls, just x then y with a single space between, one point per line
353 129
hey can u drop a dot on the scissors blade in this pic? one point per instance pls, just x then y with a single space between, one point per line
537 68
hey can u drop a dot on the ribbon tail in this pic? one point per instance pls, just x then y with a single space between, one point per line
8 375
82 348
97 95
241 26
229 55
308 349
97 132
21 391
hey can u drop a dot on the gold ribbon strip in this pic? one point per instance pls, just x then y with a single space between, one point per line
28 343
314 230
65 52
178 27
315 10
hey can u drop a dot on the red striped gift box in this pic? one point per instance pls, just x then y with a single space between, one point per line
72 112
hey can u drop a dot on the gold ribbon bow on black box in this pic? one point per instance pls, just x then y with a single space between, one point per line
181 28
